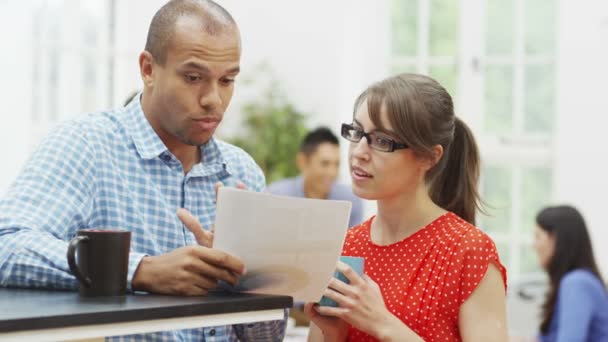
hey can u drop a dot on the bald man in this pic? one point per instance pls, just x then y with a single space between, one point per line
150 167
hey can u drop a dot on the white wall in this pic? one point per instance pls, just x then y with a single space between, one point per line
581 165
15 88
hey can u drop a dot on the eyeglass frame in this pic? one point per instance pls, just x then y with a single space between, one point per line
368 136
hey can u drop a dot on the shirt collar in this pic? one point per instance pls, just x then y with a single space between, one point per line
149 145
147 142
212 160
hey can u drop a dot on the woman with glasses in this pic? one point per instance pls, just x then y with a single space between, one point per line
576 307
430 274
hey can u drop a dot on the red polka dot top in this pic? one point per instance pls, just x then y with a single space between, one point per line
427 276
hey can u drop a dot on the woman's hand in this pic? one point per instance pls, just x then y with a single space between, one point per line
331 328
360 305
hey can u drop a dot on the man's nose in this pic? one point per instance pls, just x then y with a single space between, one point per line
211 98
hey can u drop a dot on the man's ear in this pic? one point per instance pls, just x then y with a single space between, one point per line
146 68
301 161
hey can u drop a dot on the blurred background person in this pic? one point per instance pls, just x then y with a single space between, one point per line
576 306
319 161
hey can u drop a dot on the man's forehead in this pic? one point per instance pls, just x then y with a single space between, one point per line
190 38
327 149
203 54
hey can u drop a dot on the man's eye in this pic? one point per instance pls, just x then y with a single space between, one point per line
192 78
227 81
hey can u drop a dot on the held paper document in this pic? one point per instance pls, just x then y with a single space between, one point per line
289 245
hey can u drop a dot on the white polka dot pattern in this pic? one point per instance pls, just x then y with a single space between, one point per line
427 276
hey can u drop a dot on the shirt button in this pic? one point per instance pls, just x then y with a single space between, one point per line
212 332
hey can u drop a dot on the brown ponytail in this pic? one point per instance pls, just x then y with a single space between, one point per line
454 188
421 114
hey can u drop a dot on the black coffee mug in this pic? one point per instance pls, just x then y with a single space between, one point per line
100 261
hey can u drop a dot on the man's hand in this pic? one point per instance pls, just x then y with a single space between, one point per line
203 237
218 185
189 271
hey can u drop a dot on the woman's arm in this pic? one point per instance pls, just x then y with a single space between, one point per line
482 317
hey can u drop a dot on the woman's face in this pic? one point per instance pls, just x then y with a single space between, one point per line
544 245
380 175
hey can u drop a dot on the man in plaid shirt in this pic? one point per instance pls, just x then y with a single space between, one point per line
150 167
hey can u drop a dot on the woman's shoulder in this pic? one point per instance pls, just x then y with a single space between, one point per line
464 233
472 252
582 279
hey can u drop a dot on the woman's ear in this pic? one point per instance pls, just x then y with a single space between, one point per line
430 162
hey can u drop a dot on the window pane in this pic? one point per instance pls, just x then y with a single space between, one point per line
536 193
540 27
496 192
499 26
443 39
404 22
539 98
446 75
498 99
503 253
528 261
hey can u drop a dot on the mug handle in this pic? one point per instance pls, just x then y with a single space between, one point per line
86 281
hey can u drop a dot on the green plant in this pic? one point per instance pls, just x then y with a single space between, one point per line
272 132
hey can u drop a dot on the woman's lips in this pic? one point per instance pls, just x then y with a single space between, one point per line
359 174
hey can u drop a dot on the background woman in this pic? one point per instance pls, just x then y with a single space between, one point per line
576 308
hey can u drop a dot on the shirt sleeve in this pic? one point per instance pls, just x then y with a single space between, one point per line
575 300
476 252
51 198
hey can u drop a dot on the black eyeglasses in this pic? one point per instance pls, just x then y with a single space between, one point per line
376 141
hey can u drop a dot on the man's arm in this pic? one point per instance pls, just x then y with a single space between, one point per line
51 198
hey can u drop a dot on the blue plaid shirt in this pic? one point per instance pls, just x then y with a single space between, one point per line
111 170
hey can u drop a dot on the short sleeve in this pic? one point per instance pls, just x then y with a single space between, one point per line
476 251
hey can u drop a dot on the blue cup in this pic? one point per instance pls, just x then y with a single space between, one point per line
356 263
